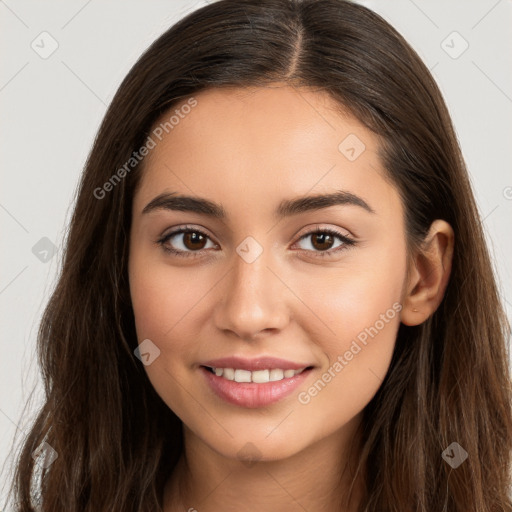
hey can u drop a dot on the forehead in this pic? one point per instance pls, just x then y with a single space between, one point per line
270 121
264 143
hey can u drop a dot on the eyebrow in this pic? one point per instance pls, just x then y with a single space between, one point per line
287 208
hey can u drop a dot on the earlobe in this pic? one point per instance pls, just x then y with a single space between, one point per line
429 277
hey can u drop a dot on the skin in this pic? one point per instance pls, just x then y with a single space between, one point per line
248 150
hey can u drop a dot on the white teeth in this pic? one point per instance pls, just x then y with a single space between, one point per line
242 376
257 376
227 373
276 374
260 376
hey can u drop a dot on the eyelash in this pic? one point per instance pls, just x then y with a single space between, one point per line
347 242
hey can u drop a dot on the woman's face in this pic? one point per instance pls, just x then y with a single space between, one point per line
264 279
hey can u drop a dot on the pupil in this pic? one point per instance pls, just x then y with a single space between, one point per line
194 238
321 237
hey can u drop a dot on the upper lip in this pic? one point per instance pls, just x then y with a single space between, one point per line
260 363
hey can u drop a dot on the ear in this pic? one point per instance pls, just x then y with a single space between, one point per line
428 275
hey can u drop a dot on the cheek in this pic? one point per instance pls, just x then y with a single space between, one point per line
162 297
348 382
359 308
170 309
354 297
163 304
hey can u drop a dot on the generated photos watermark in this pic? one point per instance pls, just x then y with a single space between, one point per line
343 360
137 156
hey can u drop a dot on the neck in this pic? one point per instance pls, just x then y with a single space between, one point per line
318 478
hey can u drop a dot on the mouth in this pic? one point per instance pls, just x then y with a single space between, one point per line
256 388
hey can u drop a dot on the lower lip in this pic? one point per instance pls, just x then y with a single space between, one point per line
251 394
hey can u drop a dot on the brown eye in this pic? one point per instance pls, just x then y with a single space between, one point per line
322 241
185 242
193 240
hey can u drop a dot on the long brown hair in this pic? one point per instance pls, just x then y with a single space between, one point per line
116 440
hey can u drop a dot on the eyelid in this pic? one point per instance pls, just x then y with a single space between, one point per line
185 228
320 227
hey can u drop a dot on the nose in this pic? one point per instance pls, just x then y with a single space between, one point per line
254 299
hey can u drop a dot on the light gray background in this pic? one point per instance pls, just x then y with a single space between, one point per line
51 109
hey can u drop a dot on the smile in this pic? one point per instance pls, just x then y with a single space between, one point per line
257 376
253 389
